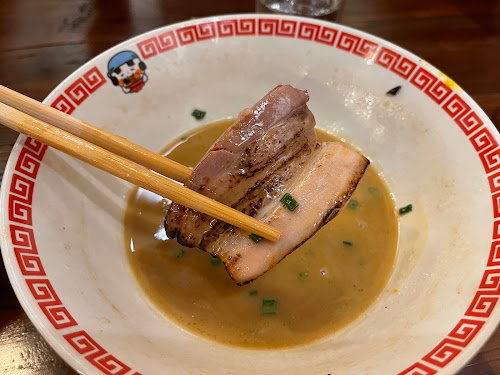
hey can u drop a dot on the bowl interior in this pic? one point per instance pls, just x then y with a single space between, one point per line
78 288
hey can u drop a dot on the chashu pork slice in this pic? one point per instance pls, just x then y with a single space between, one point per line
322 187
270 136
270 150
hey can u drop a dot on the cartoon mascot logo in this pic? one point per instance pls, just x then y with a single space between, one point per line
127 70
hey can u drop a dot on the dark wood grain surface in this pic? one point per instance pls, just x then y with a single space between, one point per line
43 41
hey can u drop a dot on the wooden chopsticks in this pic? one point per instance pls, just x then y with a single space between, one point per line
99 137
96 147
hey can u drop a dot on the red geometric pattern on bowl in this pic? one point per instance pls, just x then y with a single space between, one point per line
196 33
23 236
456 108
23 241
490 159
20 199
423 79
438 92
494 181
95 354
452 345
322 34
494 258
79 90
49 302
487 147
157 44
276 27
354 44
496 230
487 296
236 27
395 62
28 162
427 82
469 122
169 40
496 206
418 369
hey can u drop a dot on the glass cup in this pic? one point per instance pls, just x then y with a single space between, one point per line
323 9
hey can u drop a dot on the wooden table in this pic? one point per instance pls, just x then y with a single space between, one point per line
42 41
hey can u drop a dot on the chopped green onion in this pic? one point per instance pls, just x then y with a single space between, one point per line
179 253
198 114
255 238
184 138
215 261
289 202
405 209
254 292
353 204
269 306
374 191
393 91
303 274
347 243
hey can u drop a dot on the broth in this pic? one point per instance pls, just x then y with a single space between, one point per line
320 288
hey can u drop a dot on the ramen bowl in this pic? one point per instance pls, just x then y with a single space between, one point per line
62 221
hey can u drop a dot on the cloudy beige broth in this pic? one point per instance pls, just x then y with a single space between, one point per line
320 288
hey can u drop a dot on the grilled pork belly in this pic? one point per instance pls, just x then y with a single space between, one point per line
270 150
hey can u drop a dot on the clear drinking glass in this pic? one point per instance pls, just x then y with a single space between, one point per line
324 9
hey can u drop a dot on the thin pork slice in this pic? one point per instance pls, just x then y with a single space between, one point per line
271 150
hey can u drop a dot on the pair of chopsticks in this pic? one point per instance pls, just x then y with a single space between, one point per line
117 156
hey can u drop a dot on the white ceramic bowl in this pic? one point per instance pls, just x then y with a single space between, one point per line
61 220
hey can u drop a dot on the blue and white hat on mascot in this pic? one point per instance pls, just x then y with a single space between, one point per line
120 59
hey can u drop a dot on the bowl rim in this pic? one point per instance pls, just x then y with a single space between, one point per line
456 103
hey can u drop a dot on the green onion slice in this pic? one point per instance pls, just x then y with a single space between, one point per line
289 202
215 261
374 191
269 306
353 204
255 238
198 114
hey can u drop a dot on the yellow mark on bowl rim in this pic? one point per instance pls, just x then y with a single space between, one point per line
450 83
